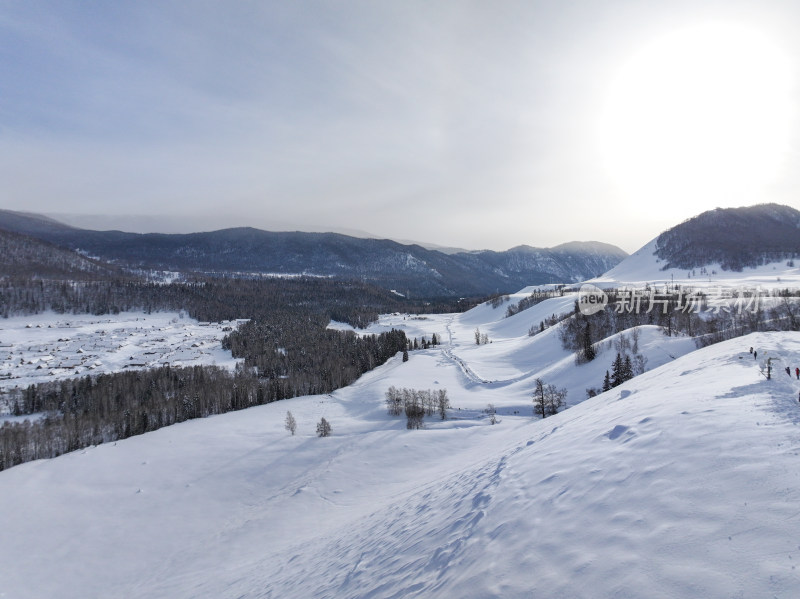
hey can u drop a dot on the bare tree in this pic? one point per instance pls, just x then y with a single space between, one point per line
442 403
323 428
547 399
394 401
428 401
415 413
790 309
291 423
417 403
490 409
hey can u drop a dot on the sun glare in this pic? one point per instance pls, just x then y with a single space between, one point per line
699 117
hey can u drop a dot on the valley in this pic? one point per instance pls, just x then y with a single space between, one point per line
615 494
399 300
675 477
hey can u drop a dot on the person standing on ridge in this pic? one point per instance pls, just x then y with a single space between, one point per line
789 372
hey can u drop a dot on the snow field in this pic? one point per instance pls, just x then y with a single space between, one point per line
683 482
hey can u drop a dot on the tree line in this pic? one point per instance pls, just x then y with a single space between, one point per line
678 312
698 315
416 404
286 348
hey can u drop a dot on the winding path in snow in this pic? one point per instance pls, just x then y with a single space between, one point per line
448 351
465 368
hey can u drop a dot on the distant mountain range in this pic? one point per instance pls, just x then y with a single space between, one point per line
409 269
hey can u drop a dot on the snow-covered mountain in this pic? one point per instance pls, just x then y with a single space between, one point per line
566 263
24 256
677 483
755 245
735 238
411 269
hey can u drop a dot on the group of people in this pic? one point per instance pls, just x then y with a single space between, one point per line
788 369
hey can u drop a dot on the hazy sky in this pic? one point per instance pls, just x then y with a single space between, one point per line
472 124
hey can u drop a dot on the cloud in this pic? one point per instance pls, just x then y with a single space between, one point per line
466 123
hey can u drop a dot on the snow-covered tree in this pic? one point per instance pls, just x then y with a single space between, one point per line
323 428
291 423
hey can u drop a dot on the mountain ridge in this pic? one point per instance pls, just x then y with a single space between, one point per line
411 269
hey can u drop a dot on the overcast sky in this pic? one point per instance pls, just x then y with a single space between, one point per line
470 124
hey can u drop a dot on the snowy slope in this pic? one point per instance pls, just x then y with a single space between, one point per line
513 359
618 497
643 266
683 482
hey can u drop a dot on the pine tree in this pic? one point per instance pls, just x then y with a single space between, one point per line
587 349
405 355
617 371
607 382
627 369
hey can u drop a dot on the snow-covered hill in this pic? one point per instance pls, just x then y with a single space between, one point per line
644 266
748 246
680 483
